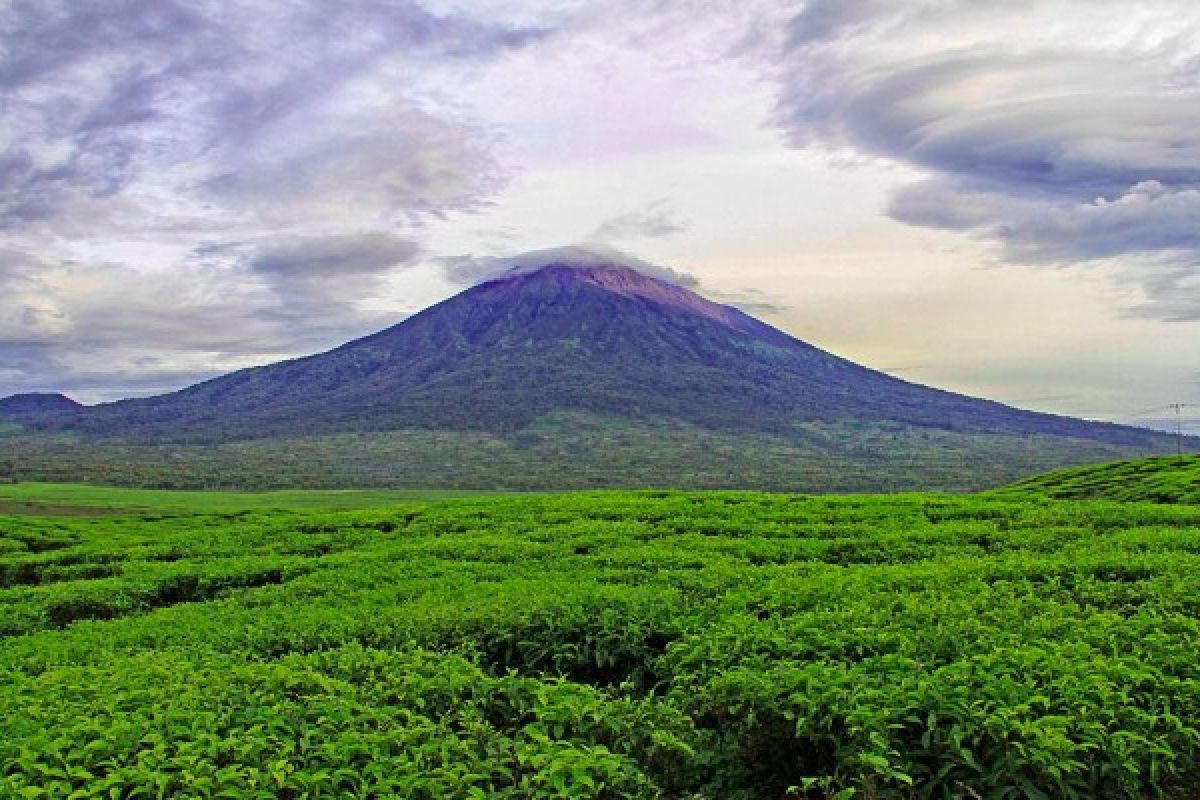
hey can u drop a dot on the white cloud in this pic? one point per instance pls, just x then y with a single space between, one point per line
468 269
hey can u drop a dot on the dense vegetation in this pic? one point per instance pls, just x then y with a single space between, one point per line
1168 479
64 499
566 451
36 403
602 645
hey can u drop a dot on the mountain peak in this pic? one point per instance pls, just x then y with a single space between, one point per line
599 274
617 273
584 258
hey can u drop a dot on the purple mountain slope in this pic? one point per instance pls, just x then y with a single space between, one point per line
595 337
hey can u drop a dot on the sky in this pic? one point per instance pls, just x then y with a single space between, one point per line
997 197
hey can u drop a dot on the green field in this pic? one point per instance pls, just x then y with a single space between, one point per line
1167 479
599 645
53 499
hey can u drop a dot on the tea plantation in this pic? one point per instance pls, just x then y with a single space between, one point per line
598 645
1166 479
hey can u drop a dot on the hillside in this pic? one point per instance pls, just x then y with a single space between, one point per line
36 404
1166 479
565 451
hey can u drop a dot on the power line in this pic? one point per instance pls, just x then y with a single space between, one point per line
1178 427
1147 412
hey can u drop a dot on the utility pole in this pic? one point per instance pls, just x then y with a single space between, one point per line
1178 427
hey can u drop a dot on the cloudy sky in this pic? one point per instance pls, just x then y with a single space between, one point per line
1000 197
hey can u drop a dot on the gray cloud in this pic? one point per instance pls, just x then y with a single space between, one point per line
15 264
469 269
1071 139
1060 150
1148 218
655 222
362 253
752 301
29 318
205 185
394 167
821 20
173 329
317 281
257 95
1171 286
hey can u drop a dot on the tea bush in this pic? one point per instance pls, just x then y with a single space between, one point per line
606 645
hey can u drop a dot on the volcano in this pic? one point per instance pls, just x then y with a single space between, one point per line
565 335
589 336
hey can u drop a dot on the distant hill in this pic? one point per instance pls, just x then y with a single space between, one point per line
1166 479
557 339
36 404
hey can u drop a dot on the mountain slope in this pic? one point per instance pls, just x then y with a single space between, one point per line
36 403
603 339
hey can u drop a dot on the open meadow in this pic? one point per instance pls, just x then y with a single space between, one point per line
596 645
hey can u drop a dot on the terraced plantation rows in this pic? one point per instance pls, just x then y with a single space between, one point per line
605 645
1167 479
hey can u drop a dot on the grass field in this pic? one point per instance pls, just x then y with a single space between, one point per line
1166 479
598 645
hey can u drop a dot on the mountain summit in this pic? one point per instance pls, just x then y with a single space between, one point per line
560 332
626 282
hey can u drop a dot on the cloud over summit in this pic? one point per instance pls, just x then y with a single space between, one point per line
469 270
